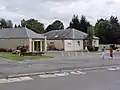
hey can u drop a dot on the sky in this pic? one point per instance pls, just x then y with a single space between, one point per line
47 11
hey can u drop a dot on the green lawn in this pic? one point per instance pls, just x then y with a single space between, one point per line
11 56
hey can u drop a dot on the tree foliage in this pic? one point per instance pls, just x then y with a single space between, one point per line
57 25
19 26
33 24
91 33
108 30
9 24
81 24
3 23
15 26
84 24
101 28
6 23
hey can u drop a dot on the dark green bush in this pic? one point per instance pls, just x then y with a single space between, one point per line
92 48
51 47
114 47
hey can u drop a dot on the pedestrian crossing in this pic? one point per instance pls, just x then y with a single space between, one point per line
53 74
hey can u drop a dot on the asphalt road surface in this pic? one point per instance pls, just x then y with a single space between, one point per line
9 67
99 79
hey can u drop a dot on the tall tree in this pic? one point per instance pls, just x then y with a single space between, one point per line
91 33
84 24
57 25
81 24
9 24
75 23
15 26
3 23
114 23
19 26
34 25
115 30
102 27
23 22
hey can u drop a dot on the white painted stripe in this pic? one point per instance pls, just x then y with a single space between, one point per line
13 80
3 80
10 80
25 78
118 68
77 72
47 76
62 74
112 69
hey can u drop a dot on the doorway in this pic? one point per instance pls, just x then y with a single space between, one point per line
37 47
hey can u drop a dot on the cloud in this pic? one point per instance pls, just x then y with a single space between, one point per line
49 10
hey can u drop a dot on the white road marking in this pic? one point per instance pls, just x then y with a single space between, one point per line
13 80
25 78
112 69
77 72
118 68
3 80
10 80
62 74
47 76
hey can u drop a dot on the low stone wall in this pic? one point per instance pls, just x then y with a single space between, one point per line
107 46
65 53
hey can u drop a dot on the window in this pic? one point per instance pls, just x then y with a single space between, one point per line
69 44
78 43
94 43
51 42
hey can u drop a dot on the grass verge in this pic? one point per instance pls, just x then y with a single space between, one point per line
11 56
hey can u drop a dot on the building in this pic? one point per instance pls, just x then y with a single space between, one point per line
10 38
69 40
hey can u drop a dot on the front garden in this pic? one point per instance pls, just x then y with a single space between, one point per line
20 53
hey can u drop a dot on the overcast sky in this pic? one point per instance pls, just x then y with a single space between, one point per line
49 10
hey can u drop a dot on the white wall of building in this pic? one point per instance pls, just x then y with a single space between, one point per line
73 45
95 42
58 44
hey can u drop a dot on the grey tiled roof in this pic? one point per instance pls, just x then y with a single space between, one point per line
66 34
19 33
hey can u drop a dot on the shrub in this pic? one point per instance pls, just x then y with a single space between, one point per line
92 48
9 50
3 50
114 47
51 47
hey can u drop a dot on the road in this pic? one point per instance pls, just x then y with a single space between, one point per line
99 79
9 67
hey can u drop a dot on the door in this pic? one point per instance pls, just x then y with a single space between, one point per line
37 46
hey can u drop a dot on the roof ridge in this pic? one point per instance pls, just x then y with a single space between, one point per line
26 30
73 34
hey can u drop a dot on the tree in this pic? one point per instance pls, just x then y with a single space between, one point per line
75 23
84 24
23 22
9 24
102 27
3 23
57 25
33 24
114 32
91 33
15 26
19 26
81 24
114 23
108 30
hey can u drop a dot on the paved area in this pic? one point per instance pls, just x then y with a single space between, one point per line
8 67
99 79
